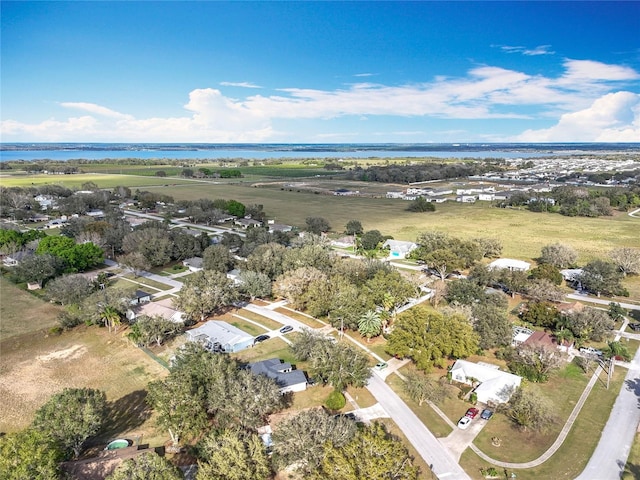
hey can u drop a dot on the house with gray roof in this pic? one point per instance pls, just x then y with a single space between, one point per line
195 264
399 249
288 379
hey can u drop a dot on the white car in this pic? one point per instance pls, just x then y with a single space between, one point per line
464 423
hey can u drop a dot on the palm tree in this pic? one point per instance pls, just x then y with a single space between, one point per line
563 335
370 324
111 317
617 349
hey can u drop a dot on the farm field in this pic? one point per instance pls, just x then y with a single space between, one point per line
523 233
34 365
76 180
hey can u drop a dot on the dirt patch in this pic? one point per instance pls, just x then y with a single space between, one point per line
71 353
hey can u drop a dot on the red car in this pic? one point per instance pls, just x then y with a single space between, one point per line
472 413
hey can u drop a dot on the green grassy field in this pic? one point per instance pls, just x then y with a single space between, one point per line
76 180
522 233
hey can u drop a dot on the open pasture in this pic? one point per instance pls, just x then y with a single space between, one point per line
76 180
523 233
35 365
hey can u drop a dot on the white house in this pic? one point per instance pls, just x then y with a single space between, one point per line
399 249
220 337
495 385
509 264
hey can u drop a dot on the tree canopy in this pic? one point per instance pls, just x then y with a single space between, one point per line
29 454
82 417
373 453
429 338
205 292
311 429
147 466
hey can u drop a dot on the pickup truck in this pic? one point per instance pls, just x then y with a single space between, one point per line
591 351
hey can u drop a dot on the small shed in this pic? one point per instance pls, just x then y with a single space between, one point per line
140 297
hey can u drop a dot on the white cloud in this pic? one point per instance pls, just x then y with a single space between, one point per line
364 74
539 50
485 92
95 109
588 70
240 84
614 117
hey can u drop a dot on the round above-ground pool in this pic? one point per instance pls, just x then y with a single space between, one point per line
116 444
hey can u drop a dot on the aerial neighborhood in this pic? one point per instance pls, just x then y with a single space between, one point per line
290 346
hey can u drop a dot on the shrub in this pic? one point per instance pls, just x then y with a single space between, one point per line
335 401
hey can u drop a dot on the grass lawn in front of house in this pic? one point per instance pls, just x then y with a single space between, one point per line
267 323
572 456
425 413
309 321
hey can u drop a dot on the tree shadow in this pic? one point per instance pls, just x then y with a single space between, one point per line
124 415
633 385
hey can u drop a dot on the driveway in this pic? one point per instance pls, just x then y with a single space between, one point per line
458 440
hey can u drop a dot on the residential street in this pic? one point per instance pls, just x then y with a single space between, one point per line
610 456
442 463
587 298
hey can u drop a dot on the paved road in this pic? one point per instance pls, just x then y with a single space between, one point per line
587 298
610 456
218 230
428 447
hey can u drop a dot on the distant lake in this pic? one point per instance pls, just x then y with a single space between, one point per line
263 151
64 155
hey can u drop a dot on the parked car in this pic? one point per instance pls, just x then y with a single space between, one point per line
486 414
381 365
464 422
286 329
634 326
261 338
472 413
591 351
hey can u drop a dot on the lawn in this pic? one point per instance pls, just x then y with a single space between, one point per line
632 468
102 180
425 413
576 450
520 446
307 320
35 365
244 325
24 313
264 321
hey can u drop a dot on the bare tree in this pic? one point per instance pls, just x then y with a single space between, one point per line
627 259
559 255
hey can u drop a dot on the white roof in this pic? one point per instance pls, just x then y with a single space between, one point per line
509 263
480 372
399 245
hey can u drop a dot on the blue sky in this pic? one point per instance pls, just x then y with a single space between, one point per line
326 72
